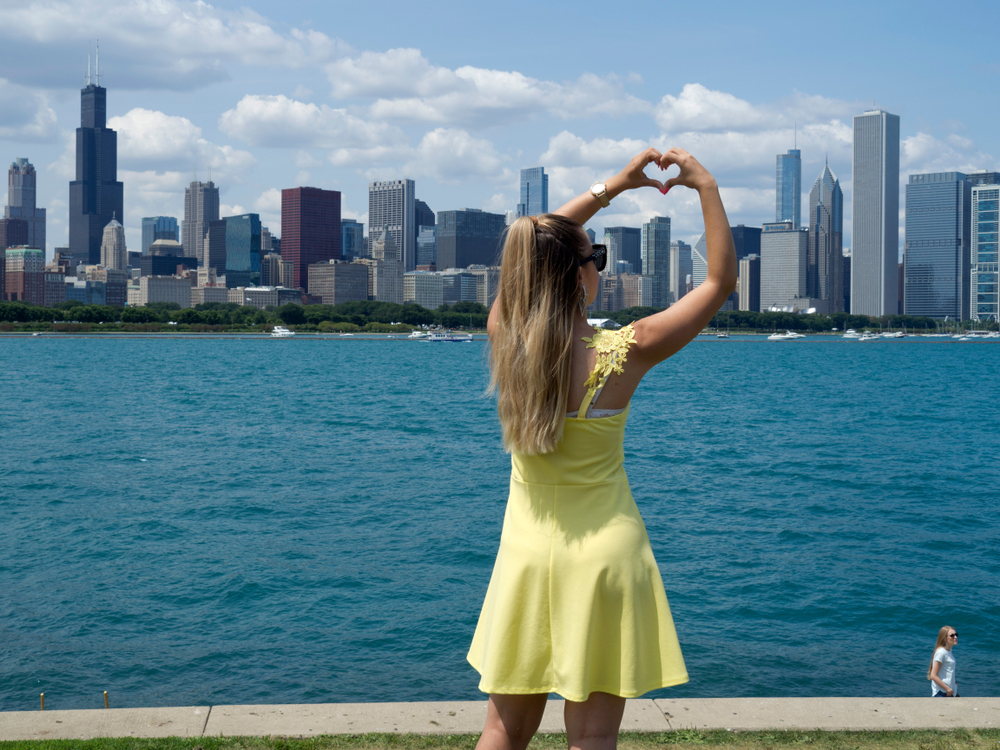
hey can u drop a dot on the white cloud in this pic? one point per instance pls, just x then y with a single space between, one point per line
923 153
282 122
305 160
172 44
231 210
698 108
269 202
568 150
408 87
150 139
25 115
453 156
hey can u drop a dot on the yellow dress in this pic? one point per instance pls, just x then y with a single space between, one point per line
576 603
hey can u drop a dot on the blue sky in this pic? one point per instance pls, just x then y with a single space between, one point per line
460 96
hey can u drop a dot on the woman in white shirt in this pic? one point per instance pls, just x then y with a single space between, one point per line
942 669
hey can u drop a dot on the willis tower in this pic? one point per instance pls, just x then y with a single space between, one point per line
95 196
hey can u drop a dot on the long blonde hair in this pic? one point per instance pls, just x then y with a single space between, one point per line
532 343
942 641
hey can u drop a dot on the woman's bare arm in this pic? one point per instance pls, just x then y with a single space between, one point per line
582 208
665 333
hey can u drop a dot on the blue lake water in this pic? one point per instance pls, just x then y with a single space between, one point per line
243 520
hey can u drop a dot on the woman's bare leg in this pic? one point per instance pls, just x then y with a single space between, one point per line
593 724
511 721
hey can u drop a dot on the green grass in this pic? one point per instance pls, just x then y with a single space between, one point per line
959 739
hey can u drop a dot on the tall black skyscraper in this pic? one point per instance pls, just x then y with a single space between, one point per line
95 196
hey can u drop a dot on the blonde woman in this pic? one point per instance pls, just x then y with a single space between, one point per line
941 672
575 605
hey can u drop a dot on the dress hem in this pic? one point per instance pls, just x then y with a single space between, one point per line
576 698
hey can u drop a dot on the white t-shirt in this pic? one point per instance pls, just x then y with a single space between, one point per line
946 672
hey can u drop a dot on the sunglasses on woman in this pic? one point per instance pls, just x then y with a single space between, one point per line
599 256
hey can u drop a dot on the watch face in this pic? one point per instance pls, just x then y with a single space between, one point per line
598 188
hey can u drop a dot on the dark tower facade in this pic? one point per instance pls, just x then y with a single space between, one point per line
95 196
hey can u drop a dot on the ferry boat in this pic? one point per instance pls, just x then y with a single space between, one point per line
280 332
450 337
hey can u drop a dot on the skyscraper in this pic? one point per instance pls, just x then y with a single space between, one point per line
534 192
95 196
422 217
160 228
392 205
310 229
469 237
680 269
201 206
936 262
783 260
628 241
825 263
242 250
352 242
788 188
984 220
875 231
113 252
21 189
656 258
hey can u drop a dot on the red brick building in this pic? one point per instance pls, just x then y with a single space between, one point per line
24 278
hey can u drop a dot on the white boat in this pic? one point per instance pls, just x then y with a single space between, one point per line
449 337
786 336
850 333
866 336
723 335
280 332
418 334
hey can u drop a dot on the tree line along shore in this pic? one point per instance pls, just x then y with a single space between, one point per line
388 317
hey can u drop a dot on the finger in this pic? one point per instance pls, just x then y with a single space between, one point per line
650 182
670 183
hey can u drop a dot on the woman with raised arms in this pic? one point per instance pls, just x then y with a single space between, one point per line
575 605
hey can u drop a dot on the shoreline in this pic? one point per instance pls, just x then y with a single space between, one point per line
467 717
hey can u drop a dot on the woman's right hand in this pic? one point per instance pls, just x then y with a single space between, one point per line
693 175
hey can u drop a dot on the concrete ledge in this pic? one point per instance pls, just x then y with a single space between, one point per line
113 722
467 717
832 714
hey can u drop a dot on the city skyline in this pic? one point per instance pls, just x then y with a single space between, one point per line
268 101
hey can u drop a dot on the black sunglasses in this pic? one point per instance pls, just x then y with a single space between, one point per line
599 256
953 635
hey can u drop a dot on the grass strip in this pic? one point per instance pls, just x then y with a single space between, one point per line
958 739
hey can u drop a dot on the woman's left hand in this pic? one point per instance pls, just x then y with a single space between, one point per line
634 175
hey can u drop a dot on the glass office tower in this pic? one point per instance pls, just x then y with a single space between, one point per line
788 188
160 228
936 262
242 250
534 192
656 258
985 218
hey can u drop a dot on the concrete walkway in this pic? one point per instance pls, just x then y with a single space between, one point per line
467 717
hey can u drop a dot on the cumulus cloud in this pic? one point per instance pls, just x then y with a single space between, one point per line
280 121
408 87
698 108
150 139
25 115
923 153
172 44
446 155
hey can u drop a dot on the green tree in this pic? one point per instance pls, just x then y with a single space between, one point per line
291 314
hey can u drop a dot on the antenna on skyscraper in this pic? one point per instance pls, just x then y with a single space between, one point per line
97 64
88 79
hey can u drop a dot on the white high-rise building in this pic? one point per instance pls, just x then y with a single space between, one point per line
875 232
392 205
113 252
985 266
783 261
